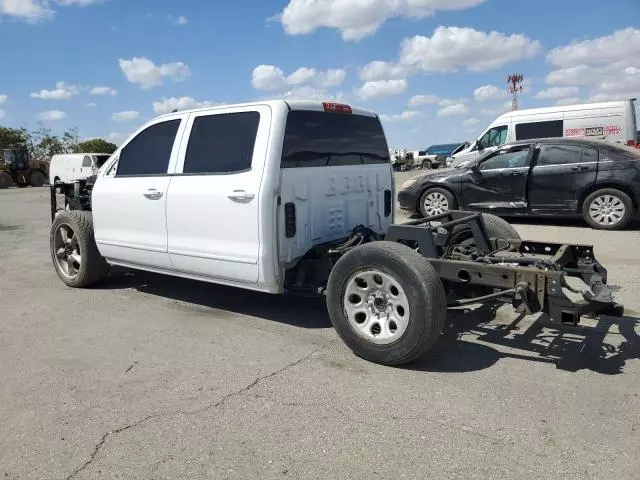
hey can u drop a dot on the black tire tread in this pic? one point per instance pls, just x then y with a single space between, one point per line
430 288
5 180
93 267
37 174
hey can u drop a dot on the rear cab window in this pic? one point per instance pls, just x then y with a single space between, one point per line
332 139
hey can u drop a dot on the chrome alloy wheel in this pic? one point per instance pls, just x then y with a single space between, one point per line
607 210
435 203
67 251
376 306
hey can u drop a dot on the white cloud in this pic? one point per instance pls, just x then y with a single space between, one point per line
619 46
401 117
178 21
382 88
558 92
51 116
418 100
2 114
125 116
3 98
453 110
469 122
270 78
568 101
62 91
91 104
167 105
356 19
378 70
144 72
34 11
447 102
103 91
488 92
453 48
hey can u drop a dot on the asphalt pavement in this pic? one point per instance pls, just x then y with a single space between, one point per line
150 377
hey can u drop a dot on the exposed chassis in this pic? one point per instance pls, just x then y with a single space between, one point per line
530 275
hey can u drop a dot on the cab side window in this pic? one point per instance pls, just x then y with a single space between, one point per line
494 137
86 161
222 143
149 152
512 159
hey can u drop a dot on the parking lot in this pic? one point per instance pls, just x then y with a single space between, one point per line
155 377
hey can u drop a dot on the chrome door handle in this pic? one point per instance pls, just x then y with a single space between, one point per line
153 194
240 195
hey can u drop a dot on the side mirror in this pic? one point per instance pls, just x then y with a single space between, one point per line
479 145
474 167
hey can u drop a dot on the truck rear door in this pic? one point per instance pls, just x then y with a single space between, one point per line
214 199
335 175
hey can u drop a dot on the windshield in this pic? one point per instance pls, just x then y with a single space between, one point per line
323 139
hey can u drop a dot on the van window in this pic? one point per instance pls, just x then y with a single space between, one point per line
494 137
328 139
526 131
86 161
222 143
149 152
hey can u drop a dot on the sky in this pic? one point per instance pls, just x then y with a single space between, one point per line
435 70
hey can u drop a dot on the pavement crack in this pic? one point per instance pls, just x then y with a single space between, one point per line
101 443
98 447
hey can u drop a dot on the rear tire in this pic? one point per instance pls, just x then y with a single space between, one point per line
608 209
409 297
74 253
36 179
5 180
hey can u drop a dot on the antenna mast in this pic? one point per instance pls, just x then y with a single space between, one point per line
515 86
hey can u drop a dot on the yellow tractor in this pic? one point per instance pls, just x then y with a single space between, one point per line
16 166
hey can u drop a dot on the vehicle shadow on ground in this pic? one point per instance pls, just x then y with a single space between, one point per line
288 309
473 341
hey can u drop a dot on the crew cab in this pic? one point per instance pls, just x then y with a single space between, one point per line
297 197
560 177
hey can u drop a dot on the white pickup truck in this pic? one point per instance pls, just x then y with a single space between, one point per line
298 197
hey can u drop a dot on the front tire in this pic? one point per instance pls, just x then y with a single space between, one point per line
386 302
36 179
608 209
427 165
74 253
436 201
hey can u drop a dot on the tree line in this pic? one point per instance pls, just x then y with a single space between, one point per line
42 144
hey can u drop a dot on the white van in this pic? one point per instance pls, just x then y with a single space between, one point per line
611 121
69 167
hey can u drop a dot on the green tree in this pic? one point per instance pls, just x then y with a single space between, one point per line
14 138
95 145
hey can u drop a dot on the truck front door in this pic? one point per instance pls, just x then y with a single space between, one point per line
129 199
216 211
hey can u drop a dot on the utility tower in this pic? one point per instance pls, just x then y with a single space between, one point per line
515 86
